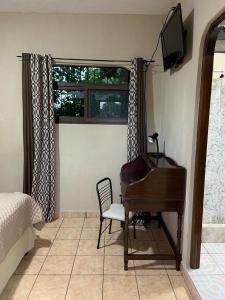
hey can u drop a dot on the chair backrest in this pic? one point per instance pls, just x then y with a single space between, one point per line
105 195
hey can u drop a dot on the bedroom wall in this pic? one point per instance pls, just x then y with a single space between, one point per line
219 64
85 153
177 102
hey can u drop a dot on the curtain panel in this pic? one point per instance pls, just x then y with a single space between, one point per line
214 191
136 138
39 142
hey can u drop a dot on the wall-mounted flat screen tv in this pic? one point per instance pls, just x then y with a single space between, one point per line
172 39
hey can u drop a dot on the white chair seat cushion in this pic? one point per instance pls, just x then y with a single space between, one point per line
116 212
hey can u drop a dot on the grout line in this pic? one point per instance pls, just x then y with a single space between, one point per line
131 251
172 287
137 287
74 262
190 294
43 262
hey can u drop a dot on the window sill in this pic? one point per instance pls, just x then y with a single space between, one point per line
71 120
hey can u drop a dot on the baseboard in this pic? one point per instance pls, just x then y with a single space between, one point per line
77 214
190 284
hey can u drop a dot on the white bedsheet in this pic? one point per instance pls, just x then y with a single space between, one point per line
17 212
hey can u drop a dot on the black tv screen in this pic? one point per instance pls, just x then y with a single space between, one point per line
172 40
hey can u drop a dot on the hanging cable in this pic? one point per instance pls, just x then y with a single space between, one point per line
157 45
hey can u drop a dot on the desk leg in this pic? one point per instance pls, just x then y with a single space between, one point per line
126 233
159 216
178 254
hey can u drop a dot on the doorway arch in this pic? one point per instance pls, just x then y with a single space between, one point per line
201 141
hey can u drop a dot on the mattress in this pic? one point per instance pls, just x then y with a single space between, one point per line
17 213
24 244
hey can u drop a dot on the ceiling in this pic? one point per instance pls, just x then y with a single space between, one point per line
148 7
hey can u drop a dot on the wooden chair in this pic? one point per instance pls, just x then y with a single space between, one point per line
108 209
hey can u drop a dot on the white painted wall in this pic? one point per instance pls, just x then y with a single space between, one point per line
219 64
85 153
177 108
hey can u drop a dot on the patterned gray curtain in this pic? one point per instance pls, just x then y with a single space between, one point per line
136 137
132 145
42 134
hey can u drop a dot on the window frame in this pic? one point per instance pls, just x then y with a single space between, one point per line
86 87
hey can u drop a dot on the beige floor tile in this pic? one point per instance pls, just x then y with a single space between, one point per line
92 223
49 288
158 234
68 234
85 265
89 247
18 287
30 265
155 288
90 234
144 247
57 265
64 247
114 265
46 233
154 224
149 267
54 224
170 266
115 224
73 222
73 214
142 234
180 288
164 247
92 214
82 287
116 234
115 247
120 287
41 247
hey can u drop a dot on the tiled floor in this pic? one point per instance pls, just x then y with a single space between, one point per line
65 264
210 278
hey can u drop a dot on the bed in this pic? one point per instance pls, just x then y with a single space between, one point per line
19 213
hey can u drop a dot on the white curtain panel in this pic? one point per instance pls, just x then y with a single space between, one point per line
214 194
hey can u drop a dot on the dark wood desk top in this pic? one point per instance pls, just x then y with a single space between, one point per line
158 184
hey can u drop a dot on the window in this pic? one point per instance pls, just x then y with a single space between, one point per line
88 94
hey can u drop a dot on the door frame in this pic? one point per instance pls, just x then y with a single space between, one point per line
201 141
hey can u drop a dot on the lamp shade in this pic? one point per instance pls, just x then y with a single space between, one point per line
153 138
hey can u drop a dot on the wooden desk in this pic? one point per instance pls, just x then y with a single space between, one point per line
153 185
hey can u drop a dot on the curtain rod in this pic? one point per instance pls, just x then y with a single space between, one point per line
90 59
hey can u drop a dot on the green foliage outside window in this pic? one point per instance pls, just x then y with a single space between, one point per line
90 93
77 74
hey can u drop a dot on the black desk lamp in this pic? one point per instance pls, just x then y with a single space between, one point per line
154 139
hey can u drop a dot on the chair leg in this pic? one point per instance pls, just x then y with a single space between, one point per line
134 231
100 232
110 226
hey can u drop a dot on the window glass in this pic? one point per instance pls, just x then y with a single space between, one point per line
90 94
108 104
69 103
